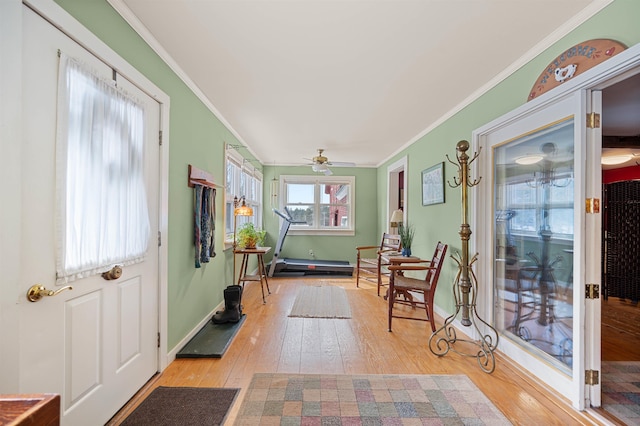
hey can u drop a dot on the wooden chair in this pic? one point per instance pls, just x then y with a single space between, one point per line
401 287
373 260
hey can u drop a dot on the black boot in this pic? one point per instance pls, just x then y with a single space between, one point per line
232 310
239 287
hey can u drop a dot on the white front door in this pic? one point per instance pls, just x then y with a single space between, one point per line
94 344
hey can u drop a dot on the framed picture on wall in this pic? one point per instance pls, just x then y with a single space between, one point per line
433 185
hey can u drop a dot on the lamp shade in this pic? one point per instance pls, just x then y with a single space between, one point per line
243 209
397 217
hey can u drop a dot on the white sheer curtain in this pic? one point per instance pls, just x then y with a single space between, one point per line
102 213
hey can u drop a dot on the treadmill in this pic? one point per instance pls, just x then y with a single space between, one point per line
300 267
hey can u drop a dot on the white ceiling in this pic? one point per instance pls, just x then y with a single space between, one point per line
360 78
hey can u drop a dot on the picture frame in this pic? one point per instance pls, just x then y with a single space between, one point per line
433 185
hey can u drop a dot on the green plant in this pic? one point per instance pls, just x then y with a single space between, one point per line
249 237
406 233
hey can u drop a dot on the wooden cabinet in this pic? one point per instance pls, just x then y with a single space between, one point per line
30 409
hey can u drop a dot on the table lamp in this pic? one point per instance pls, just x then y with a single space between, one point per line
240 208
396 220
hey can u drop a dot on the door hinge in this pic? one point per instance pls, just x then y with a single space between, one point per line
159 238
592 291
592 377
592 205
158 339
160 137
593 120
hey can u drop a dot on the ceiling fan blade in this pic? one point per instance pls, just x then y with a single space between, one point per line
341 164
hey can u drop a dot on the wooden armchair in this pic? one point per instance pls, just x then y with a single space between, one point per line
372 261
402 289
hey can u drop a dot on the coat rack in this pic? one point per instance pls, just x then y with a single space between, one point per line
465 286
200 177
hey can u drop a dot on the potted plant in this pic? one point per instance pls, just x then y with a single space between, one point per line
406 233
249 237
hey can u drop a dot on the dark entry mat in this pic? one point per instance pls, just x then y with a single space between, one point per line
167 406
212 340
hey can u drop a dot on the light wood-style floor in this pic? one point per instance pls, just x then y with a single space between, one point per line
620 330
269 341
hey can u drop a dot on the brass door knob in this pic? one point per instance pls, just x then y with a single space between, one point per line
37 292
113 273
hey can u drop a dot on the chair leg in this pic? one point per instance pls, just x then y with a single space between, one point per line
391 299
358 272
427 308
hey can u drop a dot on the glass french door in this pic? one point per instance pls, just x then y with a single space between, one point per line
532 192
533 211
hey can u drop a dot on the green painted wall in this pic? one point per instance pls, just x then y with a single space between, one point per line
198 137
618 21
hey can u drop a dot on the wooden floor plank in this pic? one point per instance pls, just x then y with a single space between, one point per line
270 341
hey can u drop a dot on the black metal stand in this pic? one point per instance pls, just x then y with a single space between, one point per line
465 288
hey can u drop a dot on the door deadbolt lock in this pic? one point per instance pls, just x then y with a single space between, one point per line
37 292
113 273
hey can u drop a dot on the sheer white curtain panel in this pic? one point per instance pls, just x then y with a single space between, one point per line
102 213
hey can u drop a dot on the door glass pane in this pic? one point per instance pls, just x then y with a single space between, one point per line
533 199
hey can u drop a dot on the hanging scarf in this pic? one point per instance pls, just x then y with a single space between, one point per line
204 221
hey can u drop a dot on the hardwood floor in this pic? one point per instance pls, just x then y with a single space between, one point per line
620 330
269 341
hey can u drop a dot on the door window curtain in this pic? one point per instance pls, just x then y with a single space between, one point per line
102 213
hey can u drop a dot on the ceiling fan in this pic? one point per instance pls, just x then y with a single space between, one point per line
320 164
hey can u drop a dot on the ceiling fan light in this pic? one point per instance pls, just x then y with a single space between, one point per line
616 159
319 167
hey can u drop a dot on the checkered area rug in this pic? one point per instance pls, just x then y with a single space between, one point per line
621 390
367 400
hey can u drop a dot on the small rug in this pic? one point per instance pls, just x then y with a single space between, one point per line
212 340
321 302
170 406
309 399
621 390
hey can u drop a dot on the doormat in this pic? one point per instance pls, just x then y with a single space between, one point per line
321 302
170 406
302 399
212 340
621 390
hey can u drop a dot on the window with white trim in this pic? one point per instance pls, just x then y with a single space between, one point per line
242 179
325 203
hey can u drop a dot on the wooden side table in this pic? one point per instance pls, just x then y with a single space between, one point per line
262 270
398 260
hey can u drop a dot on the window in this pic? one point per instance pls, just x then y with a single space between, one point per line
242 179
324 203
